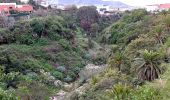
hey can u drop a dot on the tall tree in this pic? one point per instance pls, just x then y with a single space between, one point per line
86 16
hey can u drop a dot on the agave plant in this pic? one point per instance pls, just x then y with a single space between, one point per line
119 92
149 69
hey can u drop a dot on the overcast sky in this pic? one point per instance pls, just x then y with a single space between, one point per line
142 2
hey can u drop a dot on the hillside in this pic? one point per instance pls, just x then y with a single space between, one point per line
138 68
79 55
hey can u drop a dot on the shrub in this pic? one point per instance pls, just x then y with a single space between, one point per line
119 92
37 26
61 69
7 95
58 75
68 79
65 44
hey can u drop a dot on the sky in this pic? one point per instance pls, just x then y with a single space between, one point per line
142 2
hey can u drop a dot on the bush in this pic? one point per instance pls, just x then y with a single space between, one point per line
61 69
68 79
135 15
65 44
58 75
7 95
37 26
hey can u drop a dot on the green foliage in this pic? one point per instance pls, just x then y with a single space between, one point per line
119 61
125 92
68 79
37 26
7 95
164 12
119 92
58 75
135 15
146 93
159 29
150 55
32 51
142 43
65 44
167 21
149 70
94 80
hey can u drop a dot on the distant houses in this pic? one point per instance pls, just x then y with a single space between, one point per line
158 7
102 9
12 1
15 11
9 9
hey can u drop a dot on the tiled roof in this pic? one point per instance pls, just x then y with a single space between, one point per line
167 5
25 8
6 7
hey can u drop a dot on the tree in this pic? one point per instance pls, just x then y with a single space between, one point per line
2 21
34 4
164 12
117 61
149 69
94 29
135 15
87 15
38 26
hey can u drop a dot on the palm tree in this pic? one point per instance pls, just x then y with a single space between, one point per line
149 70
117 60
159 34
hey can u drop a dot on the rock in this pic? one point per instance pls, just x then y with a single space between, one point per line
68 87
82 89
60 95
91 70
58 83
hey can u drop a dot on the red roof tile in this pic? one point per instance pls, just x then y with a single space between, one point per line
167 5
6 7
25 8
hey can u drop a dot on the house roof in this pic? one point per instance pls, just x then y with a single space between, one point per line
167 5
13 6
6 7
25 8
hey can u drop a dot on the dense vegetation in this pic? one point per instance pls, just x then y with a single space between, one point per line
57 45
37 52
139 61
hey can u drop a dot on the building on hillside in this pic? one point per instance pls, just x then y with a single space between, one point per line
46 3
158 7
9 9
164 6
14 1
152 8
102 8
24 1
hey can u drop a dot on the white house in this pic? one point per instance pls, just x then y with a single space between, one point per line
102 8
24 1
152 7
